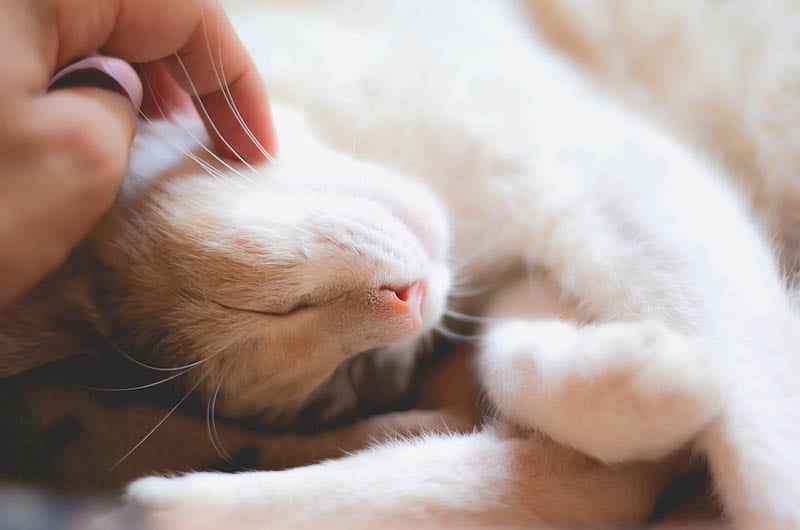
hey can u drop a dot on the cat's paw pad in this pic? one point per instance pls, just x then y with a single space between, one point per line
616 391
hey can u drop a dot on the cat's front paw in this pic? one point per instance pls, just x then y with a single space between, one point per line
615 391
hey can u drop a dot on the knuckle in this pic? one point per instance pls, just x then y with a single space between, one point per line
93 159
93 151
80 150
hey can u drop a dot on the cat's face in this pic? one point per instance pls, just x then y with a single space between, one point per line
271 279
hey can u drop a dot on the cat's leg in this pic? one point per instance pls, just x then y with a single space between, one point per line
615 391
700 264
639 228
478 478
737 96
73 426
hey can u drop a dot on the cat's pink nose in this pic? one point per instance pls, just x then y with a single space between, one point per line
408 301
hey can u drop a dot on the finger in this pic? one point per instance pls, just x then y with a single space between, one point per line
102 72
239 123
87 123
200 50
61 170
163 96
227 90
51 33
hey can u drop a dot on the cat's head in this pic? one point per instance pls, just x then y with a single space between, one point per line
268 280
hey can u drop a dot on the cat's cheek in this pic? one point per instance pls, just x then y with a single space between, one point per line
437 289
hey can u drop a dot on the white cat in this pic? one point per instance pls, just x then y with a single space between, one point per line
691 330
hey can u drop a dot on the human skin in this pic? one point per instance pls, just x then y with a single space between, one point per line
63 153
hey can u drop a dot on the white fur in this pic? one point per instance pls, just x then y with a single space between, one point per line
617 391
539 168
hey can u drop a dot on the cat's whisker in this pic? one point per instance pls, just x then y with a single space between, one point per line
455 336
225 90
155 428
208 168
203 109
149 366
467 294
141 387
467 267
229 100
211 424
226 93
459 290
427 343
455 315
473 259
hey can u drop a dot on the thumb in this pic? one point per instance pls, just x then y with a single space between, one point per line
110 73
95 101
64 163
90 110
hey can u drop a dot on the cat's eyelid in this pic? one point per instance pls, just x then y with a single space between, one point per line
295 309
300 305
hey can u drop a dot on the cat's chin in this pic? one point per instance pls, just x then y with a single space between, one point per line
370 382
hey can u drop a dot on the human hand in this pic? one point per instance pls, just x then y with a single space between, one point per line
64 152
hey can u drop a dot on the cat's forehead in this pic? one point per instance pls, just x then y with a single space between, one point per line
164 151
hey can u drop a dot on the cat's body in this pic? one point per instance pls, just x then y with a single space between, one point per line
723 74
692 329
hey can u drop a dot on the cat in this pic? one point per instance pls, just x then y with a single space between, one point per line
725 80
309 370
66 437
539 169
689 316
170 276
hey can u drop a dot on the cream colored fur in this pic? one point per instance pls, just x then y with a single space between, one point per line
679 323
723 74
452 142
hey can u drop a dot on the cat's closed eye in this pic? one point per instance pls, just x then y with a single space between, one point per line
273 281
294 309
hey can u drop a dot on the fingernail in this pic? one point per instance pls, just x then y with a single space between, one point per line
84 72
